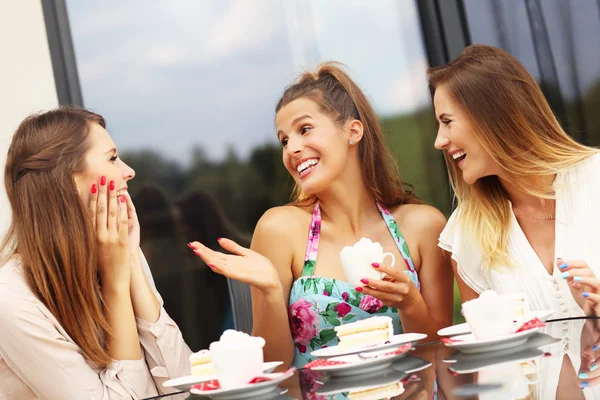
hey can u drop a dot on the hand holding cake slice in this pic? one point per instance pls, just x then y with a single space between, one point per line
367 332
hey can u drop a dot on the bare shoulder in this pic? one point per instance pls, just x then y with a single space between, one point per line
420 218
283 220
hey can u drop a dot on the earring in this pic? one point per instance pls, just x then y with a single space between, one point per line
78 191
351 141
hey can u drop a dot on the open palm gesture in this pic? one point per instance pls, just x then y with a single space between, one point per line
243 264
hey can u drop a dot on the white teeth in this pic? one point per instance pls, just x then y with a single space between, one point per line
306 164
458 154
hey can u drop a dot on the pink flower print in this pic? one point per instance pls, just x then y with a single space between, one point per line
302 348
326 293
304 322
343 309
345 296
370 304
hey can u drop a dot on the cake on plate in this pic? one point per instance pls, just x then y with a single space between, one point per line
201 363
367 332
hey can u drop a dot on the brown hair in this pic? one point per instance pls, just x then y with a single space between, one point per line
339 97
515 125
51 230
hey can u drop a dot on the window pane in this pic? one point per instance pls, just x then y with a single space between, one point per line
189 89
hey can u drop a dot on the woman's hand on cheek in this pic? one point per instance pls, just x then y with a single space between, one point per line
394 290
112 234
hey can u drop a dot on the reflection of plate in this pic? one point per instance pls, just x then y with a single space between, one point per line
462 329
364 382
469 345
357 366
185 382
395 341
263 390
410 364
471 363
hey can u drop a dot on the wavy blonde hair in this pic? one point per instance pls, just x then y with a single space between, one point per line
516 126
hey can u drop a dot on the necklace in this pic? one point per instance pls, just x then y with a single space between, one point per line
550 217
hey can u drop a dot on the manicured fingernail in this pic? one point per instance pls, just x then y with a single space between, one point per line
583 375
577 278
365 281
103 181
94 189
196 253
593 367
211 266
111 185
358 289
565 275
375 265
190 246
584 384
219 239
563 266
123 199
596 347
586 294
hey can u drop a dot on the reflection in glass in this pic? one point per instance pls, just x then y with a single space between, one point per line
189 88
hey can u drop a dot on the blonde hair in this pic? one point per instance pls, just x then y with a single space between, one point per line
514 123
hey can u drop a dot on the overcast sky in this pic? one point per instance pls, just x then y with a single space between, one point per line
167 74
171 74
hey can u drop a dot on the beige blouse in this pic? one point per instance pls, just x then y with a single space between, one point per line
38 359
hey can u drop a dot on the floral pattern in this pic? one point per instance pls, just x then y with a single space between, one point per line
318 305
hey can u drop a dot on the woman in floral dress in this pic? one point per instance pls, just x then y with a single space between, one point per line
346 188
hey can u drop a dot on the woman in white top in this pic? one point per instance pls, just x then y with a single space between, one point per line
80 317
527 194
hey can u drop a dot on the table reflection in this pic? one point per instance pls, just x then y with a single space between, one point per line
544 367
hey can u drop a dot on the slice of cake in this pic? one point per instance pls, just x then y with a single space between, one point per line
382 392
367 332
201 363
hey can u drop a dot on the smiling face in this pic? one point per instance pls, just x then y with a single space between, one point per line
102 159
315 147
456 136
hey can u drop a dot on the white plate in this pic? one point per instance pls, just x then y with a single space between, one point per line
185 382
395 341
358 366
469 345
261 390
473 363
340 385
464 328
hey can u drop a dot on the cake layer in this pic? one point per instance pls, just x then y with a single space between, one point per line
383 392
203 369
379 336
365 325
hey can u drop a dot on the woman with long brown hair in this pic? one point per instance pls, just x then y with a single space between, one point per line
527 194
79 313
347 188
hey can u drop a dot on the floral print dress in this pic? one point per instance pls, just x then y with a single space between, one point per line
318 305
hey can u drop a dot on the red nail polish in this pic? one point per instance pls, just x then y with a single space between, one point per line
103 181
196 253
358 289
365 281
375 265
219 239
111 185
190 246
94 189
211 266
122 199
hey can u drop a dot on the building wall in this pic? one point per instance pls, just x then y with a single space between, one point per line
26 78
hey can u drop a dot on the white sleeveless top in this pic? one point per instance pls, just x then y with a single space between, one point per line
577 235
